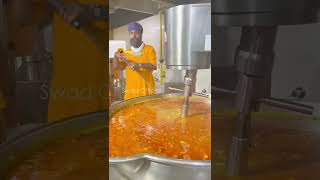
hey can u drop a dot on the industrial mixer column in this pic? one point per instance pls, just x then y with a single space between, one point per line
254 64
189 88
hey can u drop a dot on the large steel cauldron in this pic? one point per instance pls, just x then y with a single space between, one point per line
283 146
148 166
15 151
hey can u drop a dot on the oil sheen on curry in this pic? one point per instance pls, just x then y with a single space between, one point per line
156 127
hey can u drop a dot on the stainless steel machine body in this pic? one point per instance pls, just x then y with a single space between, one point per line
187 27
264 12
254 58
147 166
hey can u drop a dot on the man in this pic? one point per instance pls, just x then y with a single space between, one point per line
139 65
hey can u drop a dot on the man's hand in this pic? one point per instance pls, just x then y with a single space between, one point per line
115 62
118 56
134 66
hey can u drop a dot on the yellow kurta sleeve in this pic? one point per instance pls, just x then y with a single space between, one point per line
151 56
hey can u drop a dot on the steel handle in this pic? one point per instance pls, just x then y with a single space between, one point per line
195 93
288 106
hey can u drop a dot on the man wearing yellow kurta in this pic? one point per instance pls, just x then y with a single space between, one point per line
141 62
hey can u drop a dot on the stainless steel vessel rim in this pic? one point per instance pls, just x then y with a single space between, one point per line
155 158
116 105
161 159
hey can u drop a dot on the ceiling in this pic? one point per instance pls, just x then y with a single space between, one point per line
122 12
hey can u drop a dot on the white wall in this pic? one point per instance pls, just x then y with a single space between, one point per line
297 61
110 34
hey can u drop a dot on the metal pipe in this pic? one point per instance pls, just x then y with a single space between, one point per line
185 107
215 89
254 63
195 93
290 102
189 82
288 106
161 53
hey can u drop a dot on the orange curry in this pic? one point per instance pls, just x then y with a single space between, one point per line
155 127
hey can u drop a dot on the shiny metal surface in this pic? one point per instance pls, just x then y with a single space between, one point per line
264 12
151 167
186 27
20 147
27 68
32 82
195 93
189 88
258 6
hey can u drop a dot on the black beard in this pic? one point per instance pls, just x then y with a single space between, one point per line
135 43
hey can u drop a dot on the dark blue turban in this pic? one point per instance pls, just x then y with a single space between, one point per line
135 26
